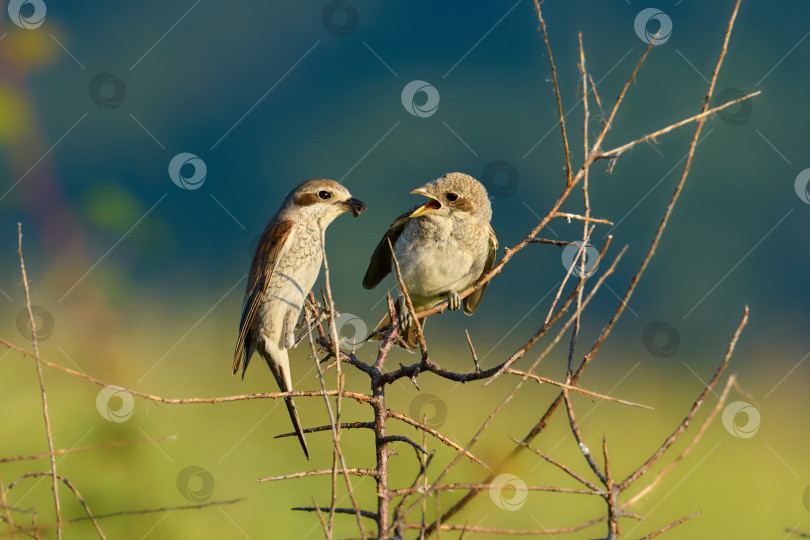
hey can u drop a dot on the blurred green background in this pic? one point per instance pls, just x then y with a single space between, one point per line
140 282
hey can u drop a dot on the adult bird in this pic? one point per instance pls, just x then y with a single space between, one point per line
286 264
442 247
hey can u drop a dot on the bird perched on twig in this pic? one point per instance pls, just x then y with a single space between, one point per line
442 247
286 264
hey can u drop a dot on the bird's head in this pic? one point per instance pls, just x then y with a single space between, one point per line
454 194
324 200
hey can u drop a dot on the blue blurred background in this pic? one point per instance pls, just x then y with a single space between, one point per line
140 282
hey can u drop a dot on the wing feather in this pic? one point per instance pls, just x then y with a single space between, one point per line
268 252
472 301
380 264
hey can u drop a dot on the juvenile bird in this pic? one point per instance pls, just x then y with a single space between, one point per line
286 264
442 247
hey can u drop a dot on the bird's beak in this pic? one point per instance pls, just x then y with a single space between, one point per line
355 206
431 206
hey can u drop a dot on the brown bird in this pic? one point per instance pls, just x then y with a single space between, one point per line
285 266
442 247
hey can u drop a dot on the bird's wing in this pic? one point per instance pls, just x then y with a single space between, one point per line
472 301
264 263
380 264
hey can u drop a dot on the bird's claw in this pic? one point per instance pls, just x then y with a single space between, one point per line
453 301
405 318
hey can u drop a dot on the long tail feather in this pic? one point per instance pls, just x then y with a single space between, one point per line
297 424
279 363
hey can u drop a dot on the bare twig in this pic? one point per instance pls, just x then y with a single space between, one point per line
720 403
670 526
114 444
334 423
33 327
39 528
572 388
685 423
619 150
472 352
425 429
569 180
357 472
408 303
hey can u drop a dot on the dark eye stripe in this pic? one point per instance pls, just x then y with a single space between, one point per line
306 199
464 205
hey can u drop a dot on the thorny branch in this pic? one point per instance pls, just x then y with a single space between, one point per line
390 520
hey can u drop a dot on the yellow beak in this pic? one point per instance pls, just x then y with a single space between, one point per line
431 206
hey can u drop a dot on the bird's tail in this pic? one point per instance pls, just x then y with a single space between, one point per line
407 331
279 363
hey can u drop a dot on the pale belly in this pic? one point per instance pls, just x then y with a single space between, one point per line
284 298
435 259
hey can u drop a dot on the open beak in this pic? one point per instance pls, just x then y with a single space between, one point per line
431 206
355 206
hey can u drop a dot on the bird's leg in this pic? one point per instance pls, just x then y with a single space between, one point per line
405 318
453 301
290 319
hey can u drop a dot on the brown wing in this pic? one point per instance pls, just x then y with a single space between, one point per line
472 301
264 263
380 264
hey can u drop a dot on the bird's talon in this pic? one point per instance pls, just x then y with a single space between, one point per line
453 301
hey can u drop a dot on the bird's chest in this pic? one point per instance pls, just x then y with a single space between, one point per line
436 255
292 278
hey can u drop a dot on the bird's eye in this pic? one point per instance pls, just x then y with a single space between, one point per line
451 197
323 194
